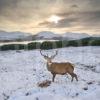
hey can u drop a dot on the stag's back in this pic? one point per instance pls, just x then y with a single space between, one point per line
61 68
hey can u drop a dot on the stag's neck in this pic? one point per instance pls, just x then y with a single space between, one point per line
49 65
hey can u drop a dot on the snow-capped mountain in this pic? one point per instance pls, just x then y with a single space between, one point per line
47 35
65 36
74 36
44 35
96 35
13 35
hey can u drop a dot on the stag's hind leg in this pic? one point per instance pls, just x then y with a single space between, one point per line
73 75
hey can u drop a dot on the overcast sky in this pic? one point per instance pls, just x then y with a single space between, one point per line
31 15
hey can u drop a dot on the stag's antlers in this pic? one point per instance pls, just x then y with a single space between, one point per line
43 54
52 56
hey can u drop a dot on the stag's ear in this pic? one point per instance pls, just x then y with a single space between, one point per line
45 57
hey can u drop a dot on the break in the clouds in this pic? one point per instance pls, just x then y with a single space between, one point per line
32 15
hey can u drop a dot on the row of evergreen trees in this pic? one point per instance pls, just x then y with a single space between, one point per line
52 45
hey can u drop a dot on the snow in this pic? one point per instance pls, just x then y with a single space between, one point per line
20 73
73 36
43 35
92 96
68 35
97 68
96 35
47 34
13 35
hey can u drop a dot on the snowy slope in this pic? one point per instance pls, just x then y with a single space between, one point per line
68 35
12 35
47 35
96 35
42 36
73 36
20 75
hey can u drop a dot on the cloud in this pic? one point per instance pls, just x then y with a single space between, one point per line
95 3
66 22
84 19
90 19
44 23
21 11
84 13
5 3
74 6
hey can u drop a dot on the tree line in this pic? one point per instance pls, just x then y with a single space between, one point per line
91 41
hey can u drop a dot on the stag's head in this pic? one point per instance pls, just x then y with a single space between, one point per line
48 58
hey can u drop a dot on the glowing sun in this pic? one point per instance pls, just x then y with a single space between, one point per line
54 19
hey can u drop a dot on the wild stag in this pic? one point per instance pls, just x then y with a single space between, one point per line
59 68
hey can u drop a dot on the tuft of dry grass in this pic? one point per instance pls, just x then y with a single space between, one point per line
44 84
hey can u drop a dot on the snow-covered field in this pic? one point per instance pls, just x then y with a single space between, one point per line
21 71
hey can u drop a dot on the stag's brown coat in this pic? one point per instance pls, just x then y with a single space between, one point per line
60 68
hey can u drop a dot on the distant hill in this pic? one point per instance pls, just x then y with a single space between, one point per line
13 36
91 38
65 36
44 35
74 36
47 35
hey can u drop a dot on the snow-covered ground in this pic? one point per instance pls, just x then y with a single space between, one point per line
21 71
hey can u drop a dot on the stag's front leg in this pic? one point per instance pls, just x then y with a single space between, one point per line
53 78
